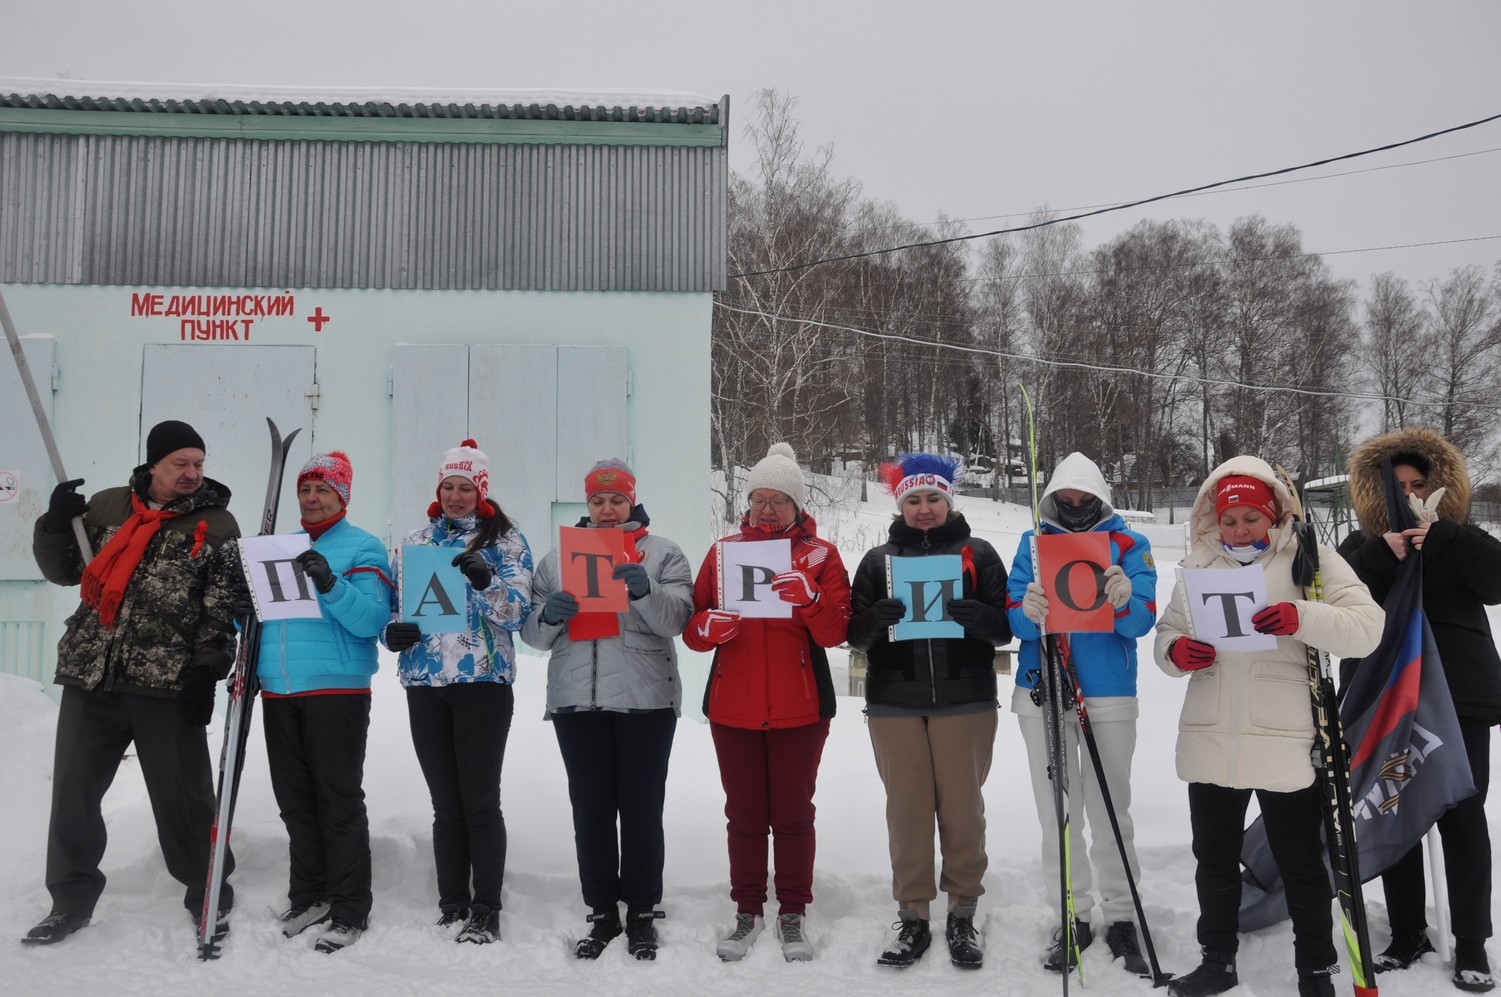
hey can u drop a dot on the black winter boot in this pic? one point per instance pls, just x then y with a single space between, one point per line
641 931
1215 975
1317 982
1472 969
55 927
1121 940
964 943
1054 957
1405 949
913 937
606 925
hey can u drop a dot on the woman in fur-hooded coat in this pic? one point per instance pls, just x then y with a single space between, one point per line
1461 576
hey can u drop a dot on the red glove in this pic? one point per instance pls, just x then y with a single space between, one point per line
795 587
1190 655
715 625
1280 618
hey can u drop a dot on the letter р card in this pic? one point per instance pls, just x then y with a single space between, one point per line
434 593
746 569
1221 604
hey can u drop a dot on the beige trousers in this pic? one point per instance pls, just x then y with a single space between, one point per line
933 769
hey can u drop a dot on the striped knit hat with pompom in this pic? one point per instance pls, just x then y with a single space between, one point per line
333 469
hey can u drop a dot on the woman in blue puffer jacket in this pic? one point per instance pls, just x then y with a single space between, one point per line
315 682
458 687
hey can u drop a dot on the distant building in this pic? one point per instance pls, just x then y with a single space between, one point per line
389 272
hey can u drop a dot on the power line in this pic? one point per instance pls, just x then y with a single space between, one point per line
1107 368
1229 190
1231 261
1118 207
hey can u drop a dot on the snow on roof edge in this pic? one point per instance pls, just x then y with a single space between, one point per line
352 95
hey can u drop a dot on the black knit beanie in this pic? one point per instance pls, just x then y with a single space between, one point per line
169 437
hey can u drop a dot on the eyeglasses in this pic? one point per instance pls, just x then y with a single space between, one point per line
772 503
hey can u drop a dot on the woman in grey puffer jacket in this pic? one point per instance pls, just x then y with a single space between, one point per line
614 696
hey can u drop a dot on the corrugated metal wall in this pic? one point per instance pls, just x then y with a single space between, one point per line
140 211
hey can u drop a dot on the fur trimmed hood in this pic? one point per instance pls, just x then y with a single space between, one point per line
1446 469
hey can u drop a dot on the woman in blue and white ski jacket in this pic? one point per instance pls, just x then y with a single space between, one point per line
315 685
458 686
1077 500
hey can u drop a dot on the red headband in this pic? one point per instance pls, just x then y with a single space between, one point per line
1246 492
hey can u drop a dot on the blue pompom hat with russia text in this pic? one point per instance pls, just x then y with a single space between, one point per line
921 472
779 471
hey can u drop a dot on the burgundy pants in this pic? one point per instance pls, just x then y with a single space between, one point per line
769 777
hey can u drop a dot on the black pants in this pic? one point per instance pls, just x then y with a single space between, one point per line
1467 855
316 749
1293 824
617 768
93 730
459 733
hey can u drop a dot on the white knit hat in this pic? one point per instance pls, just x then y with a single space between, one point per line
778 471
467 460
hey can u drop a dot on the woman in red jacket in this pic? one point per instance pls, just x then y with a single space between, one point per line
769 701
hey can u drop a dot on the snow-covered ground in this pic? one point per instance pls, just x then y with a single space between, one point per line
141 941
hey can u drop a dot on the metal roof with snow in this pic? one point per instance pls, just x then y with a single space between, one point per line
360 114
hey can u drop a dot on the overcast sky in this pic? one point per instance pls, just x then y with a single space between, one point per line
981 111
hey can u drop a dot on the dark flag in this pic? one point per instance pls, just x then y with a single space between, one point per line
1407 758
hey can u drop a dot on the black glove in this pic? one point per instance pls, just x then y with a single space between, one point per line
244 609
475 568
198 686
66 505
559 608
400 636
972 614
637 582
888 612
315 566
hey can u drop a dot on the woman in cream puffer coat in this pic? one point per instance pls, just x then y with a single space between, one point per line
1247 723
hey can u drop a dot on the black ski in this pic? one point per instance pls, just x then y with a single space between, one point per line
243 688
1072 687
1331 764
1052 724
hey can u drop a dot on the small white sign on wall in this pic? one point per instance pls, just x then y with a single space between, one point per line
10 487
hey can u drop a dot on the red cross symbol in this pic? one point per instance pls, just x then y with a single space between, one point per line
318 318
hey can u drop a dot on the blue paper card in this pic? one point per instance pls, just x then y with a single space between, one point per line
925 585
434 593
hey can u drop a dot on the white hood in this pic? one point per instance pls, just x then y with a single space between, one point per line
1075 471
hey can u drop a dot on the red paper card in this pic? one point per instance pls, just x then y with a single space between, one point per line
1071 568
586 559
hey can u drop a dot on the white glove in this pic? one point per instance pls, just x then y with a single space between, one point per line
1426 510
1035 604
1117 587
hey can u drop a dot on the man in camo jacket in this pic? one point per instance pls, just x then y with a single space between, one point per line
139 662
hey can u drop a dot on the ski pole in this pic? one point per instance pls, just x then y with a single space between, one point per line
1159 978
41 422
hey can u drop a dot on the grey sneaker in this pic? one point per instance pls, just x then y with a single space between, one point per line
734 946
795 945
338 935
299 917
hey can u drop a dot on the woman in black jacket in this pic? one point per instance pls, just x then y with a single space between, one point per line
1461 576
931 705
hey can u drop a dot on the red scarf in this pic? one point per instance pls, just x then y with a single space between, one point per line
108 574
